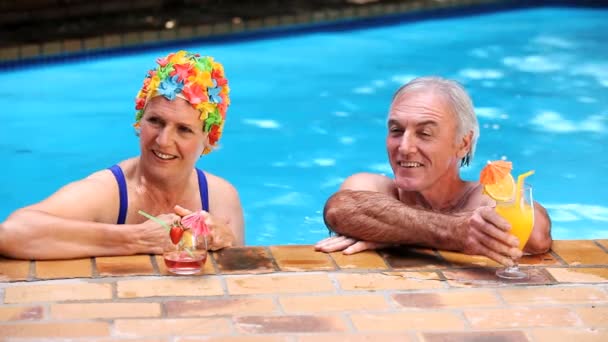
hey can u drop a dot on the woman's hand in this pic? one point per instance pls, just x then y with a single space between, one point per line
220 234
153 237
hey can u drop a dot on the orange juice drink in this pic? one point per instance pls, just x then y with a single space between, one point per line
514 203
521 218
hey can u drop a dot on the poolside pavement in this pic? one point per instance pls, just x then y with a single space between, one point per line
292 293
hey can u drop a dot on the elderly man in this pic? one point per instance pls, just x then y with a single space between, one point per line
432 132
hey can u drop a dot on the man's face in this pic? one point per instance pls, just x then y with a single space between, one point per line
171 136
421 141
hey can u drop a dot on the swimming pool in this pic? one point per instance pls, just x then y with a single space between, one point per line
308 110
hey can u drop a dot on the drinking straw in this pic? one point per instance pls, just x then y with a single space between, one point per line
520 184
155 219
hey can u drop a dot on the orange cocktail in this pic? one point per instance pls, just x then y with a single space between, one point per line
513 202
520 216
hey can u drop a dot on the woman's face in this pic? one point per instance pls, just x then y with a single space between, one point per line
171 136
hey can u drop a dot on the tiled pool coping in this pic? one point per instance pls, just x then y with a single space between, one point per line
307 21
292 293
343 18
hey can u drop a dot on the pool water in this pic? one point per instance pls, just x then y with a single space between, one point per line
308 110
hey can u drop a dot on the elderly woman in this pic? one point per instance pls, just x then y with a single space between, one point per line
181 110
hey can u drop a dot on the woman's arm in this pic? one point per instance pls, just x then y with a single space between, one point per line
78 221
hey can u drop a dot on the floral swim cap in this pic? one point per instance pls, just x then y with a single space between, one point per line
198 80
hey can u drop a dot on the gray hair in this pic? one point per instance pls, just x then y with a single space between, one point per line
460 102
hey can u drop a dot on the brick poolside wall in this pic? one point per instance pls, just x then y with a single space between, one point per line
291 293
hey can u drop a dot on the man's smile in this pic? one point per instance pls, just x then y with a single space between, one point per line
410 164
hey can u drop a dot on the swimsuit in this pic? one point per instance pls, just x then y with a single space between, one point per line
124 201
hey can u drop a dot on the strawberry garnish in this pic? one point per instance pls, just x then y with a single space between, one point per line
176 234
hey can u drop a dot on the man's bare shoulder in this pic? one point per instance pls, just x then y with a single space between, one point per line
370 182
476 198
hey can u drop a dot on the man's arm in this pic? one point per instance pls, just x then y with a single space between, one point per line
376 217
540 240
367 208
73 223
372 216
367 212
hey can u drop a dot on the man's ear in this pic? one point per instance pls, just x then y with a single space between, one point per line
465 145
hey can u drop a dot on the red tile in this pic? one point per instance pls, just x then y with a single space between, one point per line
464 260
244 260
546 259
486 277
220 306
407 320
53 269
289 324
569 334
580 275
447 299
19 313
301 258
580 252
389 281
413 258
356 337
65 331
124 265
521 317
12 270
473 336
367 260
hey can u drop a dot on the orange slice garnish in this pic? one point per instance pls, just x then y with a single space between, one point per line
188 239
502 190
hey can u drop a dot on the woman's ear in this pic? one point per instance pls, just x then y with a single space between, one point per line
206 145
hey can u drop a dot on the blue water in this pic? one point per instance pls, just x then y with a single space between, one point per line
309 110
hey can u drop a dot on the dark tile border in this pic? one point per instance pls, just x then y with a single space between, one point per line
329 20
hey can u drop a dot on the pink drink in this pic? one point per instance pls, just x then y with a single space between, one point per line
182 262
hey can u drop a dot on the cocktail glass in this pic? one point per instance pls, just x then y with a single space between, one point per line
189 255
520 214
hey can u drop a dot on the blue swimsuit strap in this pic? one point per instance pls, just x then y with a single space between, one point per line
124 199
202 185
122 190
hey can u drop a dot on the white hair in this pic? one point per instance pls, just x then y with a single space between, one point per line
457 99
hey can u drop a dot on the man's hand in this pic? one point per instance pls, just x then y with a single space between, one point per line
220 234
346 245
486 233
